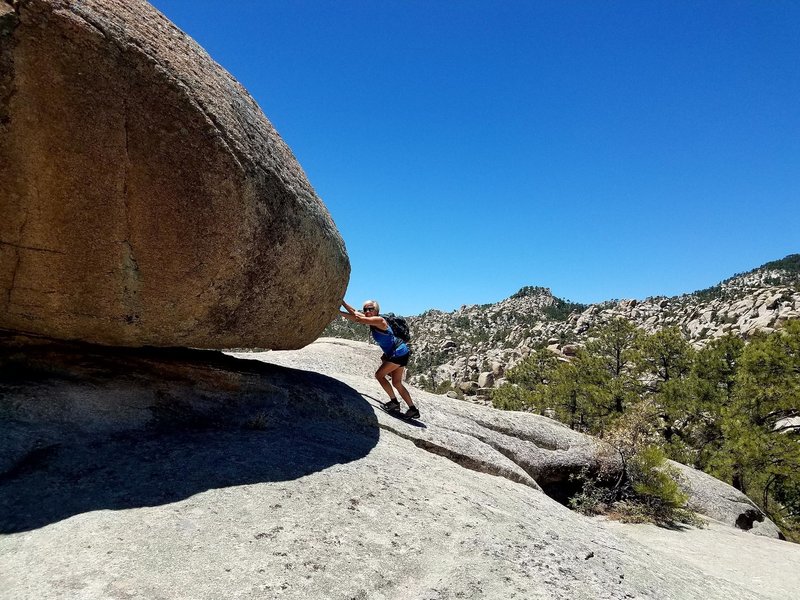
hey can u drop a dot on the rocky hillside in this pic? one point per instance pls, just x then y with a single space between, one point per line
471 348
169 473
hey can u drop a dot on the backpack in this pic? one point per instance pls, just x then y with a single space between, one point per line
399 326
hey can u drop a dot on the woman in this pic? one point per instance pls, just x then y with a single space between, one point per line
395 354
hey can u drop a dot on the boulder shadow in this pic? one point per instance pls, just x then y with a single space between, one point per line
113 429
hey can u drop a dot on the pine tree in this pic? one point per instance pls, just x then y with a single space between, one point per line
534 371
527 388
579 393
665 363
610 360
714 372
664 355
513 397
754 457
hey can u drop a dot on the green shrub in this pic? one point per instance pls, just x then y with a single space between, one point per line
560 309
594 498
654 482
512 397
647 493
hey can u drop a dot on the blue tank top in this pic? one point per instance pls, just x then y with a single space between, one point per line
392 346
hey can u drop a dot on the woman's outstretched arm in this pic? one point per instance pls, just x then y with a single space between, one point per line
354 315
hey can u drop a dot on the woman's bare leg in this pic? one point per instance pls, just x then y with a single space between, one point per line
385 369
397 382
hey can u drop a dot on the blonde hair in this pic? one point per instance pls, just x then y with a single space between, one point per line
375 302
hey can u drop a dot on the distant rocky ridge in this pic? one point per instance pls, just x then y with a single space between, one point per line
472 348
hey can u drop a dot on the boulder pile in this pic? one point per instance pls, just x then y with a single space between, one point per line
474 346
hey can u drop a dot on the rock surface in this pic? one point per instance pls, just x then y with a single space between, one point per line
760 566
287 481
145 199
724 503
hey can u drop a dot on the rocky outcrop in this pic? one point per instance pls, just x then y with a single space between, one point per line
716 499
759 301
145 199
183 473
460 346
56 395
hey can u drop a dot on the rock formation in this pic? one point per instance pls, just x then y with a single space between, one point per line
145 199
186 473
65 394
716 499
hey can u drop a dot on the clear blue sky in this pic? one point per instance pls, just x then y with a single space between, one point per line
468 148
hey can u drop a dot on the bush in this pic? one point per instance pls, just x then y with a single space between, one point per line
512 397
560 309
655 482
647 493
443 387
594 498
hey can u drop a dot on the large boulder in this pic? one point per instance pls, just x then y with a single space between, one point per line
716 499
145 199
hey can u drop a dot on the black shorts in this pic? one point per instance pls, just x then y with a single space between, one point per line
398 360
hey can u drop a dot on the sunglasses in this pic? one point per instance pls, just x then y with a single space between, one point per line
367 308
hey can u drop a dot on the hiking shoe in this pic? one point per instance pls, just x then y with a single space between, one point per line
412 413
392 404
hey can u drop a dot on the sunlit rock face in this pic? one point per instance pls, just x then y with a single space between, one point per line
145 199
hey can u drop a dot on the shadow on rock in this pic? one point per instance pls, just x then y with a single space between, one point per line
89 428
397 414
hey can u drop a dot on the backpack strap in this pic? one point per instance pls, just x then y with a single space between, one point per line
397 341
